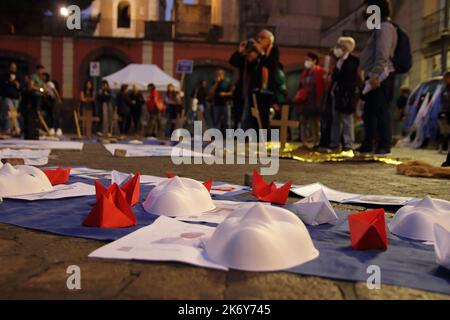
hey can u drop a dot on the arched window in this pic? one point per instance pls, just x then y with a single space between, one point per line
124 15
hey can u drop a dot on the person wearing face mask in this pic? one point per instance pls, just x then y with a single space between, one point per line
309 99
11 96
343 94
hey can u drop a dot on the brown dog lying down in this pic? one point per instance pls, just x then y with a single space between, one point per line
422 169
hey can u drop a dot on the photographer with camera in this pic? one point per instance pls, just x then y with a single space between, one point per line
257 61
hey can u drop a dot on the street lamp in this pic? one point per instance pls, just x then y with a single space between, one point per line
64 12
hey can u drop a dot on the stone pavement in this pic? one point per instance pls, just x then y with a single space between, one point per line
33 264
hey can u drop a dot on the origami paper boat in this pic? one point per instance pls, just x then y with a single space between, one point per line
417 219
315 209
261 238
112 209
58 176
270 192
368 230
442 245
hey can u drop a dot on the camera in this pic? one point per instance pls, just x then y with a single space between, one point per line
250 45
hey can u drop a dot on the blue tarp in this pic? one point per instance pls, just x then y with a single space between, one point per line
405 263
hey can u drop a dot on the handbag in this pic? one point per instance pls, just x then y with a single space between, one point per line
301 97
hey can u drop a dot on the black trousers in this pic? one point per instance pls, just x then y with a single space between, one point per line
447 162
125 123
31 123
136 115
377 116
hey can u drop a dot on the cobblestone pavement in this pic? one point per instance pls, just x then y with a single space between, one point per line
33 264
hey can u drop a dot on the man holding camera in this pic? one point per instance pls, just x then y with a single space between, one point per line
257 61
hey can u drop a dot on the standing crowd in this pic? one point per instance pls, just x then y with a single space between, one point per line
324 103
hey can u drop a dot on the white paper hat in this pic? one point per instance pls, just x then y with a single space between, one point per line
416 220
442 245
22 180
261 238
315 209
179 197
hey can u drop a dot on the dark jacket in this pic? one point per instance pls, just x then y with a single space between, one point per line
345 82
123 103
10 89
250 75
137 101
272 62
104 96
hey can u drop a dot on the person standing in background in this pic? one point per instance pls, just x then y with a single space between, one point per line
57 110
104 101
124 109
377 64
29 107
308 100
199 96
155 107
87 97
50 101
344 95
137 101
174 108
11 96
326 117
444 115
220 94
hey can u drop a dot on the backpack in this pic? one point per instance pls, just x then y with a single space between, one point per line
402 59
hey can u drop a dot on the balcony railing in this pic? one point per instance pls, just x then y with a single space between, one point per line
434 26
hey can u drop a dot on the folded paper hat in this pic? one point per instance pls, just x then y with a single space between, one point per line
179 197
261 238
132 189
270 192
22 180
58 176
315 209
368 230
112 209
442 245
416 220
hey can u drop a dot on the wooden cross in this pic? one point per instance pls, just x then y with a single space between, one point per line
88 119
13 116
284 124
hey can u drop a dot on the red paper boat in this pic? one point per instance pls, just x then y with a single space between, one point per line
112 209
270 192
368 230
58 176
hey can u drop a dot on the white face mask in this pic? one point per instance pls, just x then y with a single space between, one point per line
12 76
338 52
308 64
